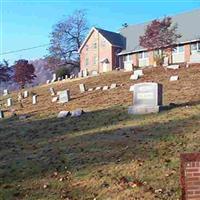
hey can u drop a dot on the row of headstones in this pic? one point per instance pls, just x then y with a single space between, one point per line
82 87
139 73
82 73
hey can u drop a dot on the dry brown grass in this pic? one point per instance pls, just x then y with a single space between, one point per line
106 153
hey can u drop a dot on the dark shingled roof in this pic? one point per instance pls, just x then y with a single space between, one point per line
188 27
114 38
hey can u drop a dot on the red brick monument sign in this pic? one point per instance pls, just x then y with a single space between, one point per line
190 176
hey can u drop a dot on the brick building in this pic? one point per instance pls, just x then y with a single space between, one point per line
104 50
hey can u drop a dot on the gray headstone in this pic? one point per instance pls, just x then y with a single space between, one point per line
9 102
85 73
54 99
34 99
82 88
53 93
147 98
77 113
64 96
59 78
1 114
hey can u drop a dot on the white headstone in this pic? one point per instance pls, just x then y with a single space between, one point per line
173 78
64 96
173 67
90 89
138 72
9 102
105 87
63 114
98 88
165 62
77 113
54 99
5 92
134 77
85 73
26 94
53 93
59 78
48 81
34 99
131 88
82 88
54 78
113 85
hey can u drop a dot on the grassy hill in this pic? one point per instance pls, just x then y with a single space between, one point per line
105 154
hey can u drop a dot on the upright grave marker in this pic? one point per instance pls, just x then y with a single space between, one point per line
147 98
53 93
34 99
64 96
26 94
82 88
5 92
9 102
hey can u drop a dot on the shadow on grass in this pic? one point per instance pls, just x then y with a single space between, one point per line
33 148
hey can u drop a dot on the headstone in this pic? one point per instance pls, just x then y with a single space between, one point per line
113 85
138 72
165 62
34 99
48 81
80 74
66 77
9 102
134 77
63 114
173 78
64 96
53 78
5 92
131 88
90 89
59 78
82 88
85 73
147 98
53 93
94 73
173 67
105 87
54 99
98 88
26 93
77 113
1 114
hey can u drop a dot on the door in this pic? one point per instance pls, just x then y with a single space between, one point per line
105 67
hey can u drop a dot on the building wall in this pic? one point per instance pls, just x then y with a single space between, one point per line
103 50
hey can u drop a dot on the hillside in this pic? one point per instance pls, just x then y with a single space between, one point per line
105 154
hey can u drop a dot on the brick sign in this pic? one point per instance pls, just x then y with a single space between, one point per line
190 176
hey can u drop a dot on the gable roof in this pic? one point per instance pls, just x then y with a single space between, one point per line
115 39
187 26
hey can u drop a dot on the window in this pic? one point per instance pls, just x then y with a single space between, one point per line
86 61
95 45
143 55
127 58
195 46
178 49
103 44
95 60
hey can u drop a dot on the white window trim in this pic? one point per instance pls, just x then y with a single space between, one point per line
143 53
178 50
198 48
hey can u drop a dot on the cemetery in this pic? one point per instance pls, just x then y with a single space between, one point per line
74 141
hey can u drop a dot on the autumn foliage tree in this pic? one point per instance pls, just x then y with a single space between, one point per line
160 34
23 72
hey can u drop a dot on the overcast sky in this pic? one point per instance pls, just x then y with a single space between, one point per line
27 24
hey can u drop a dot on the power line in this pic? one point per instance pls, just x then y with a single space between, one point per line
26 49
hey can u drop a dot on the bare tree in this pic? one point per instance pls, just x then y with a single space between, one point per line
4 71
67 37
